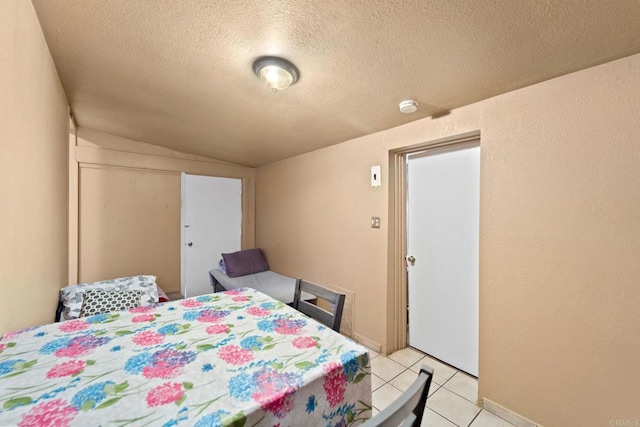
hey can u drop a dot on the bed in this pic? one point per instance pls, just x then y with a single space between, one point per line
249 269
269 282
237 357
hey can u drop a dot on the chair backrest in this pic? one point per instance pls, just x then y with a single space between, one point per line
406 410
332 318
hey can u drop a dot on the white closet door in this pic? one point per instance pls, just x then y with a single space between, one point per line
443 237
211 225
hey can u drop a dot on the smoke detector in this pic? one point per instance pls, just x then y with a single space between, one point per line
408 106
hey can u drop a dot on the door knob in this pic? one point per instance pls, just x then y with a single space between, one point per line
190 244
412 260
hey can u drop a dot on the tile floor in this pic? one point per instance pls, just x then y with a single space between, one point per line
452 395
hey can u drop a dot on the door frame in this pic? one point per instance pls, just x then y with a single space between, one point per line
397 250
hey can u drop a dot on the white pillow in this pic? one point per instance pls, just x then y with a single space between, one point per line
72 296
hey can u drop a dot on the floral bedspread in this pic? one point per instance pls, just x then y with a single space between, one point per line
235 358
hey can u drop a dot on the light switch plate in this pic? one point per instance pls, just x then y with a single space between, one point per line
375 222
376 179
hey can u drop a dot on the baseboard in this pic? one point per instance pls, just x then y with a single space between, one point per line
507 415
367 342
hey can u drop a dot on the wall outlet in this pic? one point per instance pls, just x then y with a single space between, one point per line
375 222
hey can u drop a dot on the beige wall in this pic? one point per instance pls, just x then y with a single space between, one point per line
34 123
313 221
559 270
129 206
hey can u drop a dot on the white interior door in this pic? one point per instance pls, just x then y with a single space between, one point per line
443 237
211 225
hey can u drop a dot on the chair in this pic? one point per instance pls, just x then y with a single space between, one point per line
406 410
332 318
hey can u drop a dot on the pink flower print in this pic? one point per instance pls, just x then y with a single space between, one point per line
142 308
2 347
304 342
212 316
289 326
190 303
79 346
240 298
148 338
11 334
165 393
217 329
165 363
72 351
143 318
161 369
335 383
74 325
49 413
73 367
235 355
258 311
274 391
280 405
267 381
234 292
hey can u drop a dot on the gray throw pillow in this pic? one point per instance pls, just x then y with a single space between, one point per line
245 262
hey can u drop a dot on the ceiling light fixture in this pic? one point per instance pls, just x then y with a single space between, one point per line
277 73
408 106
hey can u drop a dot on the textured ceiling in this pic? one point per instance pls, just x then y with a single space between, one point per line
178 73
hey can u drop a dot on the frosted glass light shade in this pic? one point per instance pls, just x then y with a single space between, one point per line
277 73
